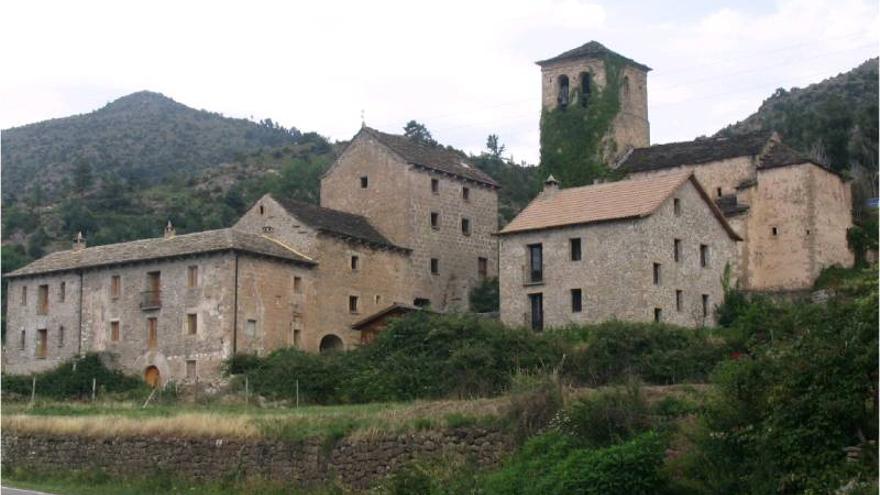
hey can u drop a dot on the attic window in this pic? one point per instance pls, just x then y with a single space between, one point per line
676 207
355 263
435 220
435 186
562 98
466 193
586 88
774 231
262 210
267 229
719 192
365 181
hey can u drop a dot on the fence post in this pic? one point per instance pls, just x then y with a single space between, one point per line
94 382
246 391
33 389
297 393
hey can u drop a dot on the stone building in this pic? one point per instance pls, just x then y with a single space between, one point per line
651 249
791 211
402 224
570 78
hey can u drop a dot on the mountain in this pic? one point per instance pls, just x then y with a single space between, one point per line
834 120
145 137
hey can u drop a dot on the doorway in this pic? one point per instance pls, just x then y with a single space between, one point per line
151 376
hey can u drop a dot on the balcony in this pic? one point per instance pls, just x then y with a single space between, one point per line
532 277
151 299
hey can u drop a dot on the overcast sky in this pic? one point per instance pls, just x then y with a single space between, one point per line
464 68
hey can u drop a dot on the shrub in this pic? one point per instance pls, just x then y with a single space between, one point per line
606 417
534 402
73 380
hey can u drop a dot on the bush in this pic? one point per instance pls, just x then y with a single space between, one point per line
606 417
73 380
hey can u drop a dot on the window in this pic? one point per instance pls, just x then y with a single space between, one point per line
353 304
365 181
24 295
250 328
355 263
43 300
586 88
536 263
114 331
625 87
262 210
658 315
676 207
297 285
377 299
774 231
704 255
562 97
152 296
808 231
435 220
536 304
267 229
22 343
466 226
676 250
42 340
191 369
152 333
656 273
192 323
482 268
466 193
678 296
297 338
719 192
421 302
192 276
576 300
62 291
705 305
574 248
435 186
435 266
115 283
61 336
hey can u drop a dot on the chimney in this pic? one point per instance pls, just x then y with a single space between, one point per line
169 231
79 243
551 185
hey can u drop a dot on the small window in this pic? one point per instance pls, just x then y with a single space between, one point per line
658 315
465 226
435 220
115 286
355 263
192 276
42 343
704 255
586 88
43 300
774 231
562 97
435 266
576 300
353 304
705 305
808 231
24 295
23 341
262 210
192 324
267 229
191 369
676 207
377 299
297 285
250 328
61 336
152 333
297 338
62 290
536 263
466 193
435 186
574 248
676 250
421 302
365 181
719 192
482 267
114 331
656 273
678 300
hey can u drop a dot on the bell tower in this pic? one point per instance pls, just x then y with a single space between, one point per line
577 77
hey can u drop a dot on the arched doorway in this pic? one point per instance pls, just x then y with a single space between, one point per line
330 343
151 376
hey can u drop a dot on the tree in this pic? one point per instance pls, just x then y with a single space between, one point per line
82 176
496 149
484 298
418 132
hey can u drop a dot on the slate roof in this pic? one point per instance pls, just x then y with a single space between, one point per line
209 241
729 206
431 157
626 199
593 49
781 155
695 152
335 222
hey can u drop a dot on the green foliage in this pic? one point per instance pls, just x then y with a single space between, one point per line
484 298
418 132
519 184
73 380
864 237
493 144
606 417
572 147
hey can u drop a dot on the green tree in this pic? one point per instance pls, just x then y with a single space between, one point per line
484 297
82 176
493 144
418 132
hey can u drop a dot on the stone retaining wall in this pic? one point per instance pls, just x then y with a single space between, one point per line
356 462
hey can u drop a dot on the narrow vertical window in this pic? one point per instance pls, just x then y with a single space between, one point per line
250 328
705 305
297 285
114 331
536 263
24 295
353 304
22 343
435 220
191 369
42 343
152 333
576 300
115 286
704 255
262 210
355 263
435 186
656 273
774 231
719 192
574 248
466 193
658 315
192 276
61 336
435 266
676 250
536 303
43 300
466 226
676 207
562 97
365 181
482 268
297 338
192 323
586 88
678 298
62 292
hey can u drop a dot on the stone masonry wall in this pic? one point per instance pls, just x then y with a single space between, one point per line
357 463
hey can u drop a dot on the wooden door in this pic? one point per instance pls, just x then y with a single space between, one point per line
152 333
151 376
42 341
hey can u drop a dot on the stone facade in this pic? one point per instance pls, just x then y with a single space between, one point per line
356 463
616 271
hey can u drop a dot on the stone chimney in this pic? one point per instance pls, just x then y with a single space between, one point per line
79 242
169 231
551 186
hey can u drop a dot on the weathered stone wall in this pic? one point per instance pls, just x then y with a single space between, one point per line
615 273
832 217
355 462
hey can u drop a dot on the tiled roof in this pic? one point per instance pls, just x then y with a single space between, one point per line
695 152
781 155
593 49
335 222
626 199
395 309
431 157
157 248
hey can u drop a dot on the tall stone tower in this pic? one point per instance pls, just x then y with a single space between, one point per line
579 77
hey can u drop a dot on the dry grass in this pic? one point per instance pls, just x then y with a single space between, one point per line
183 425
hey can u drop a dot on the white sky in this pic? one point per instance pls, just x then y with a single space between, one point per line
464 68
